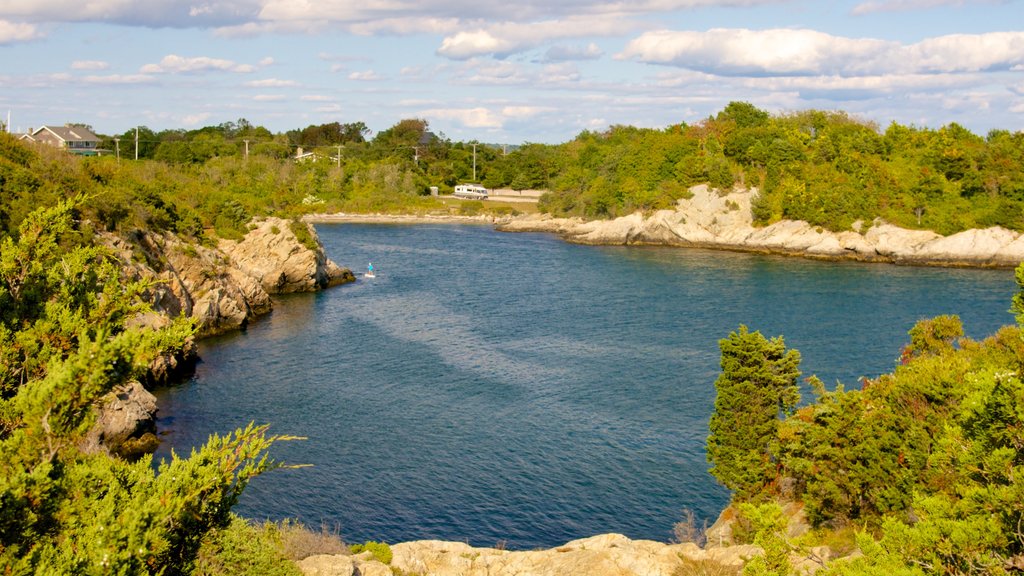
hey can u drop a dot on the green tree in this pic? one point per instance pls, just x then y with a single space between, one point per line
758 384
65 342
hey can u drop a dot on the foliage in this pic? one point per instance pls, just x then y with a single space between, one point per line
769 527
65 341
380 550
244 548
304 235
925 461
757 385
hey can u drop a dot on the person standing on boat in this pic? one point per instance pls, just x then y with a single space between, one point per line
369 268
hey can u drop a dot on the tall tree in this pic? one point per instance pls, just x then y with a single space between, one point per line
758 384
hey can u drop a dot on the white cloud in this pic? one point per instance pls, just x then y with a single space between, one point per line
89 65
315 98
195 119
406 26
365 76
740 52
267 61
508 38
373 15
174 64
114 79
153 13
271 83
563 53
11 32
875 6
468 117
520 112
493 73
268 97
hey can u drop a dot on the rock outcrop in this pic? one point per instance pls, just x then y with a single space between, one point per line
281 262
220 288
712 220
126 424
604 555
223 288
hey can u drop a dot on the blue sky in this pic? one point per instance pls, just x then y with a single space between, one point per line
506 72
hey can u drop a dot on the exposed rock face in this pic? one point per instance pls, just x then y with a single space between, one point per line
724 221
280 262
125 425
222 289
604 555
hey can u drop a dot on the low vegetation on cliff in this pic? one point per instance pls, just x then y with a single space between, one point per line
924 464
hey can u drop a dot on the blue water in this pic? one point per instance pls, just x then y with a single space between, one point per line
491 387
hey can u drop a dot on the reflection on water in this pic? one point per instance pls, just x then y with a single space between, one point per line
489 387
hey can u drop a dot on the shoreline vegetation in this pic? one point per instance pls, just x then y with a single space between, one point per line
915 472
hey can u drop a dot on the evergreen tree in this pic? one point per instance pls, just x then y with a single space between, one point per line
757 384
65 341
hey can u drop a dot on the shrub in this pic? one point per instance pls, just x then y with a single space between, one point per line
471 207
244 548
303 235
300 542
380 550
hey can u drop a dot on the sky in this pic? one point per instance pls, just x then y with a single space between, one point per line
506 72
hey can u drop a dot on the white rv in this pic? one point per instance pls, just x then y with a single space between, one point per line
470 192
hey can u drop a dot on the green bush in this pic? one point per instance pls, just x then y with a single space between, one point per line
380 550
244 549
303 235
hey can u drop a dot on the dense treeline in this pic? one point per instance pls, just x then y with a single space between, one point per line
926 462
825 168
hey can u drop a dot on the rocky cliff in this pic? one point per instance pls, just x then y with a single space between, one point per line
221 288
604 555
713 220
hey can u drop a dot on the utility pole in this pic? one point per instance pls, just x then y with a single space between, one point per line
415 154
339 155
117 149
136 142
246 150
474 162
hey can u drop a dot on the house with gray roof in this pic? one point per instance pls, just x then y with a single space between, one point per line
75 139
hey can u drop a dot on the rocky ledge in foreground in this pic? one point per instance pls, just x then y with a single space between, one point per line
604 555
713 220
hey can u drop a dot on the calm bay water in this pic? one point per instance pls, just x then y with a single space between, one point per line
491 387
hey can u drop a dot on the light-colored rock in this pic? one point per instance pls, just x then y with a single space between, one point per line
714 220
373 568
327 565
604 555
274 256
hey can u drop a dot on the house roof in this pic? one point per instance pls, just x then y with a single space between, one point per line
69 133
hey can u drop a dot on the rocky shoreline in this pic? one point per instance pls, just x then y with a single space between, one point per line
221 288
724 221
710 219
